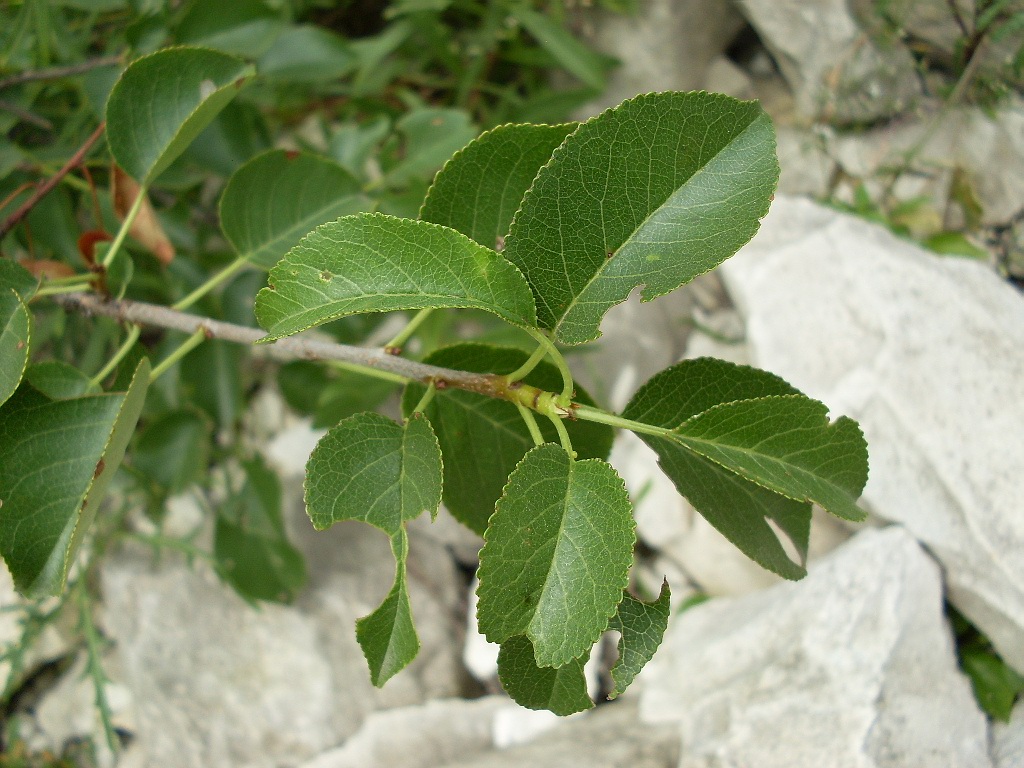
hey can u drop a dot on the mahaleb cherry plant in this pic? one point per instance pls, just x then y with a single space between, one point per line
544 226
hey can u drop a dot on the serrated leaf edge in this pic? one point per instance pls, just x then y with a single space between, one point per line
270 337
560 150
862 443
632 527
486 134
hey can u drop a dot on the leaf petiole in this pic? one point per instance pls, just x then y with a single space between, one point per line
425 400
524 370
556 357
531 424
395 345
563 434
228 271
589 413
187 346
134 331
126 225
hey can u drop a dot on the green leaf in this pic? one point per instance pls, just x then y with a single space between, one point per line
652 193
739 509
57 459
15 331
642 627
241 27
369 468
250 543
387 636
482 438
14 276
276 198
211 379
377 263
163 101
787 445
173 450
479 189
17 287
996 685
569 52
556 555
58 380
562 690
431 137
307 54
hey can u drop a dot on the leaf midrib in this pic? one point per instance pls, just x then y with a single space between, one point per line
607 262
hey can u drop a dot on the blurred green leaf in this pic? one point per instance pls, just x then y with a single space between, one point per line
241 27
307 55
57 459
996 685
173 450
431 137
250 542
163 101
573 55
278 197
58 380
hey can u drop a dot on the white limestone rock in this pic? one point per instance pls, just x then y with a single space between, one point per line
925 352
667 45
606 737
835 70
422 736
991 159
1008 740
215 682
853 666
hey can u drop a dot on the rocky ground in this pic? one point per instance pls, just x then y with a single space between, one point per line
853 666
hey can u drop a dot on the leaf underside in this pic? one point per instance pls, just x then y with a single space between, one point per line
57 459
562 690
642 627
387 636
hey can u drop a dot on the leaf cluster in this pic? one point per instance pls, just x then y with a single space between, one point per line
542 229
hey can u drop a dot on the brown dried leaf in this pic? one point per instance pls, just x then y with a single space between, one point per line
146 228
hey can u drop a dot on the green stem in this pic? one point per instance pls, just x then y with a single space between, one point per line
157 541
122 233
531 424
524 370
134 331
366 370
187 346
410 328
94 651
559 361
563 434
212 283
589 413
48 289
425 400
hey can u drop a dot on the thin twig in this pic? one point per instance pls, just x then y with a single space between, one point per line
47 186
293 348
55 73
25 116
